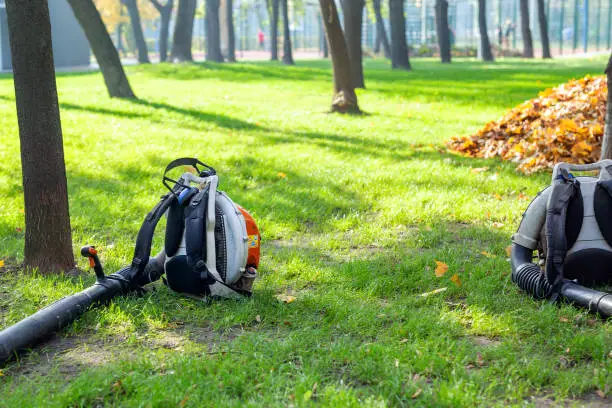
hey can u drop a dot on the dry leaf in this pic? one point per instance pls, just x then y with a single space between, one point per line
285 298
497 224
433 292
396 363
404 341
417 393
1 263
522 196
601 394
456 280
1 373
18 229
258 319
509 250
281 175
184 401
488 255
441 269
564 319
479 360
497 196
477 170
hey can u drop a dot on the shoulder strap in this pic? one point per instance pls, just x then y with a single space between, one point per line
602 204
556 240
195 234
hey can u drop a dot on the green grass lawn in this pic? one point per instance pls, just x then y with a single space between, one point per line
354 212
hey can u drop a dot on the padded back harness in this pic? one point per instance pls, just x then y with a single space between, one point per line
191 214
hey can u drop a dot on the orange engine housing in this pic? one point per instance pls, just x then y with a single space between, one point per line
254 239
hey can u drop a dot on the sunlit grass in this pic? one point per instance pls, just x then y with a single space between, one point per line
354 213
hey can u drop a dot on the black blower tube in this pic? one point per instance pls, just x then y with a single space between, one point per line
41 325
528 277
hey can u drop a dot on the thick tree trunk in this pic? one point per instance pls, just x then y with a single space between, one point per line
165 14
103 48
213 32
231 38
183 31
381 33
141 44
485 45
274 31
399 47
344 99
353 22
606 148
443 30
48 239
287 52
525 30
542 18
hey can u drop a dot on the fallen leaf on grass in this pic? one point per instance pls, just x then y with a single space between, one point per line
281 174
184 401
477 170
433 292
601 394
258 319
497 224
441 269
564 319
417 393
1 373
522 196
456 280
286 298
487 254
479 360
509 250
1 263
18 229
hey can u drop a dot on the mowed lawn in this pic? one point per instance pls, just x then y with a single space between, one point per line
354 212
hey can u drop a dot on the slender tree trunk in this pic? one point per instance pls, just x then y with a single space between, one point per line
353 23
103 48
183 31
141 44
231 40
381 33
213 32
119 33
399 47
443 31
165 14
274 31
542 18
606 148
485 45
48 239
344 99
287 52
526 31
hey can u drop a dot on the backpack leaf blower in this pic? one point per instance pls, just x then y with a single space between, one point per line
211 250
570 225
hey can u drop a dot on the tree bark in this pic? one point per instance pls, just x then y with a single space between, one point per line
443 30
165 14
213 32
183 31
119 33
103 48
381 33
274 31
525 30
353 23
48 239
231 38
399 46
542 18
287 52
344 99
606 148
141 44
485 45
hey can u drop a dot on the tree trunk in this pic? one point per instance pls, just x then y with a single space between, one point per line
381 33
141 44
231 40
399 47
183 31
165 14
485 45
542 18
606 148
213 32
526 31
274 31
345 99
48 239
287 53
443 31
102 46
120 38
353 22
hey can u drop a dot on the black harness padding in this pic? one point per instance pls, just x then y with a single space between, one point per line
556 240
175 225
602 203
195 234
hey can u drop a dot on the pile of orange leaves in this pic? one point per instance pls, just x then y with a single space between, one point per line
562 124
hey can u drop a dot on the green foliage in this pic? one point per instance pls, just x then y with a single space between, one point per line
354 213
